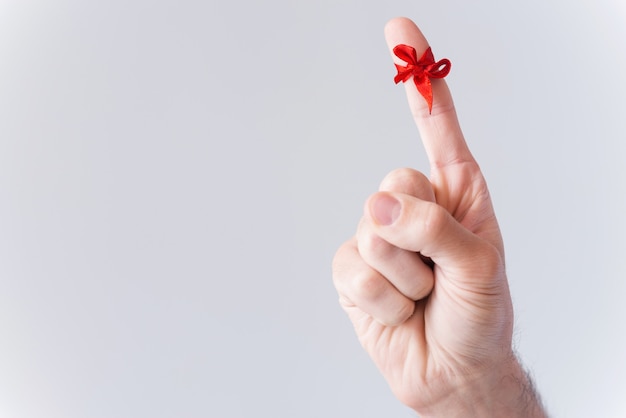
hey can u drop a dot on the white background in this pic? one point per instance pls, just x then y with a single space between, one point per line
175 177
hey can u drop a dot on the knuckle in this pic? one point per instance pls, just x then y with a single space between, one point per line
401 176
368 285
406 180
439 112
339 263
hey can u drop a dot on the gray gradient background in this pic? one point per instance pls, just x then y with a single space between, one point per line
176 176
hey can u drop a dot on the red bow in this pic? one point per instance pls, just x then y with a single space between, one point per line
422 70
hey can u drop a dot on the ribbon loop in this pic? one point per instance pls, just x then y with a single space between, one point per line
440 69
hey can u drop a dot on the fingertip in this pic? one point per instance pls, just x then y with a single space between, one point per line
402 30
398 22
398 317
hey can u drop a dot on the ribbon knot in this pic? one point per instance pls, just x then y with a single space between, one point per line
421 70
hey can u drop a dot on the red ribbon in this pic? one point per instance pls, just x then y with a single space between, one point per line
421 70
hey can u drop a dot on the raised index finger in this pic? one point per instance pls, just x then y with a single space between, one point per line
440 131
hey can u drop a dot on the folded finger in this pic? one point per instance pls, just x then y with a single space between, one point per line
417 225
405 270
410 182
367 289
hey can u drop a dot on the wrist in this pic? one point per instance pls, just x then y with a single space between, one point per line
501 391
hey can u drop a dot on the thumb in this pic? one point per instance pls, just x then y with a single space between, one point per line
426 227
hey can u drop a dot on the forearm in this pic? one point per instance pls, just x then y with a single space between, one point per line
508 392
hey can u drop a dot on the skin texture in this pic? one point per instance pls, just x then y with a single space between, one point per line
423 280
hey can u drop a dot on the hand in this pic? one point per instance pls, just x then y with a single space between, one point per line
423 280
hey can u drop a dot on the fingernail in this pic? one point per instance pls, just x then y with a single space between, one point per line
385 209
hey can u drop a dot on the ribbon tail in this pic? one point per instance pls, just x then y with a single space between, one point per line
426 90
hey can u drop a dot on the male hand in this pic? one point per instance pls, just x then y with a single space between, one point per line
423 280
